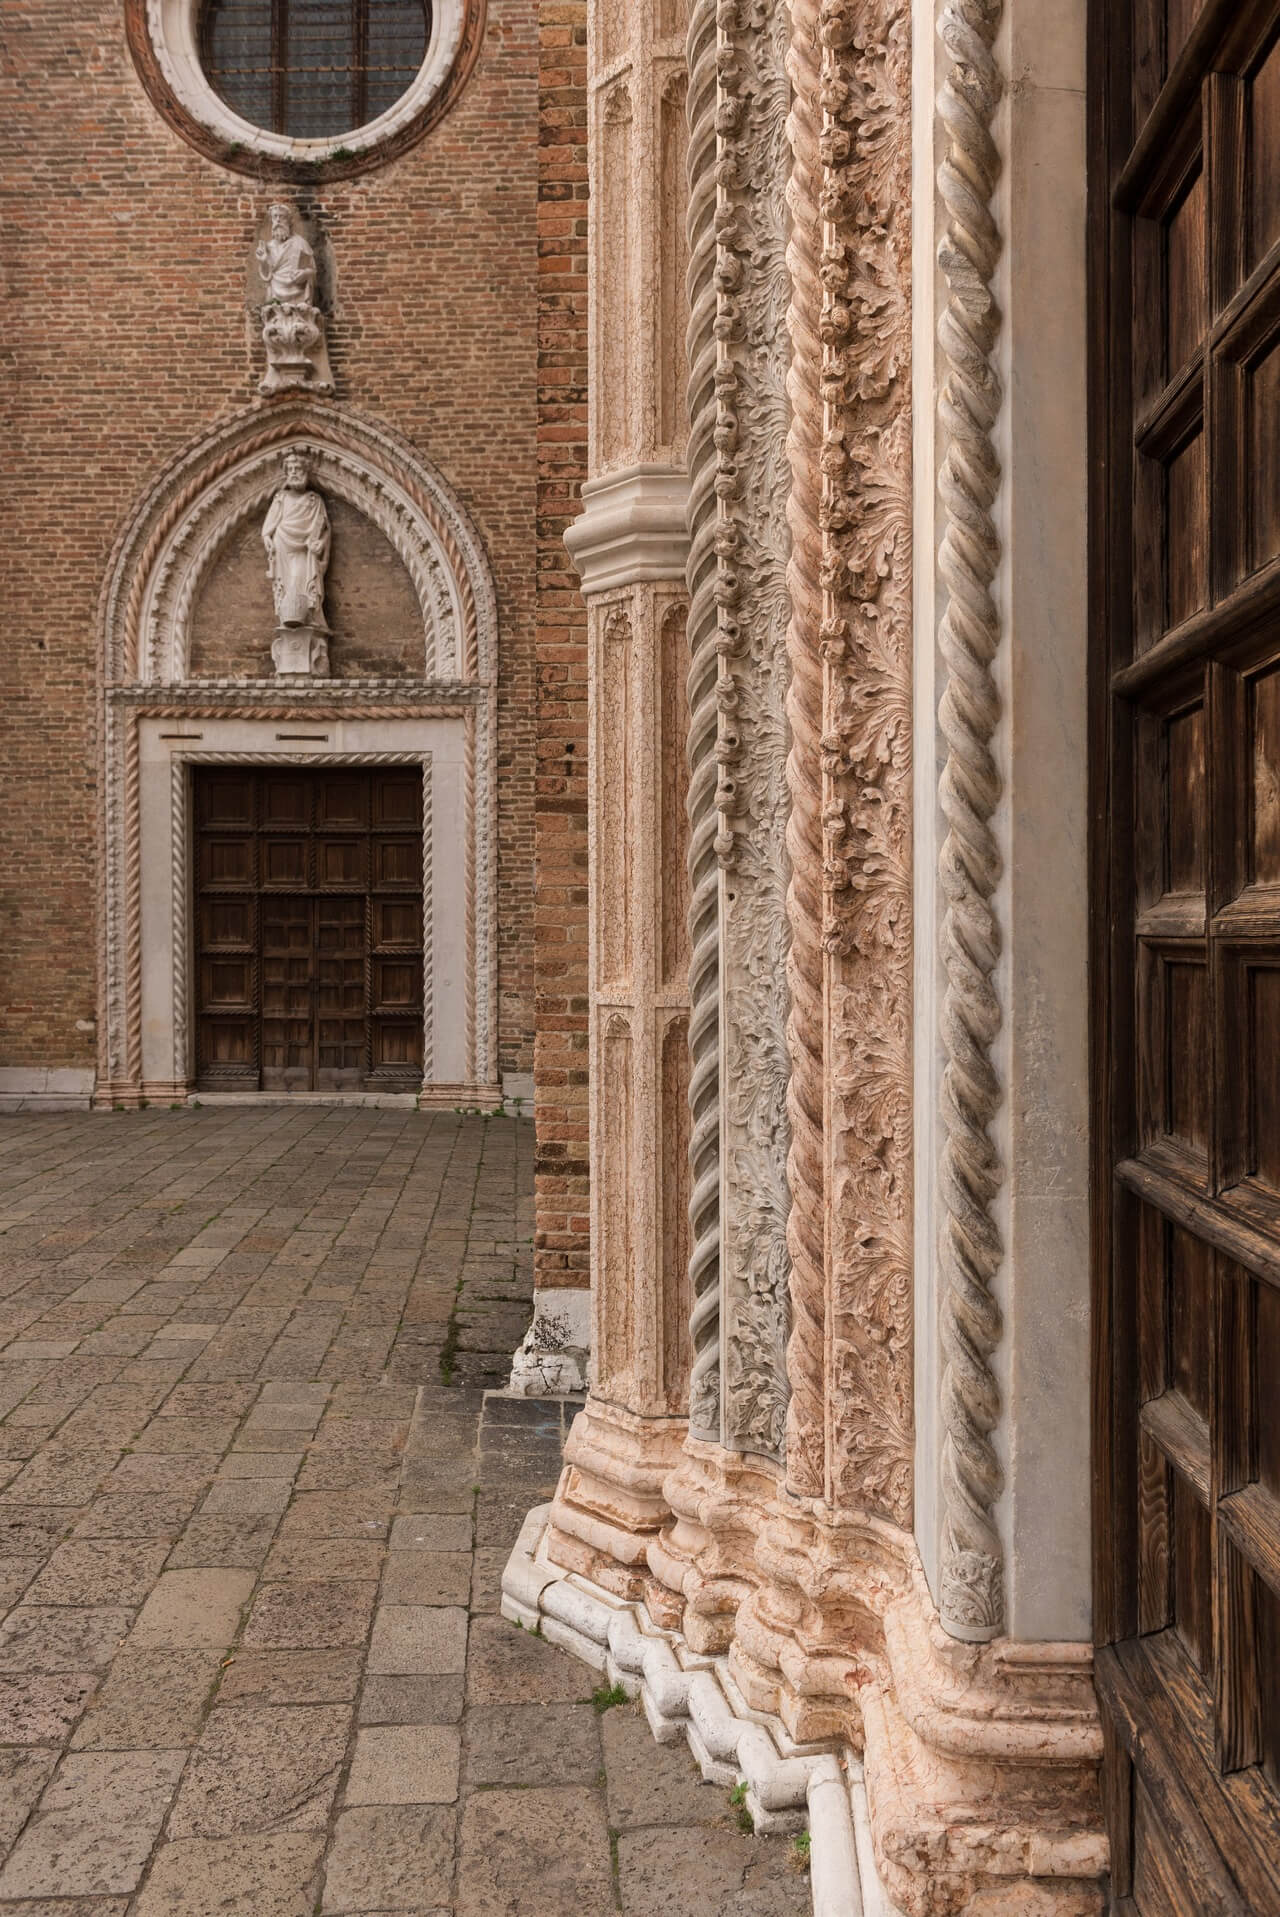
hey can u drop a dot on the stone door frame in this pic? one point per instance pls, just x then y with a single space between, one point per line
146 1027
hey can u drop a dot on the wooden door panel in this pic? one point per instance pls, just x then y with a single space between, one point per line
397 863
1186 615
397 923
306 979
286 862
342 802
287 801
397 801
342 862
288 980
227 861
225 801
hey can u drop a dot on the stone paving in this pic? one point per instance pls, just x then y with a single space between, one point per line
255 1508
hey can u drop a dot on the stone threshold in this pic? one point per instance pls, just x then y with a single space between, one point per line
788 1786
368 1101
482 1101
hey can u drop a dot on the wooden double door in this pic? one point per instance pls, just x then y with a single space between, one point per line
1185 509
308 917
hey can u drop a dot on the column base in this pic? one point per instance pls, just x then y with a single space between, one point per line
980 1761
609 1503
703 1558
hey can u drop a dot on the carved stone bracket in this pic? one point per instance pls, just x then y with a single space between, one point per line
293 327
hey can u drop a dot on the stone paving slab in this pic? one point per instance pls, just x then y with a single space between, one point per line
255 1501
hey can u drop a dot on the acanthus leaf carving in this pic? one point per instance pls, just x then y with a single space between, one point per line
753 289
850 1355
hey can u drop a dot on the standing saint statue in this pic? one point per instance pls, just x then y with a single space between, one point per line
296 537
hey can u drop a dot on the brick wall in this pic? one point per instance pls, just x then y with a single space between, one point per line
562 1248
125 337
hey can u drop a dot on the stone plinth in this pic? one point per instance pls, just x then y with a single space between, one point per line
300 652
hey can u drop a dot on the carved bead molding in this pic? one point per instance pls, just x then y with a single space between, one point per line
971 1600
704 874
753 604
850 1359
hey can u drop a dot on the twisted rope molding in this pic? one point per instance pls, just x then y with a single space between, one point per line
970 1251
703 635
806 1469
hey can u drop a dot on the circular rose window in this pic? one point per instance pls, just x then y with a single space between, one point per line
303 88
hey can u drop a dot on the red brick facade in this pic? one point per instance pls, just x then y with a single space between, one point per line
562 1250
126 337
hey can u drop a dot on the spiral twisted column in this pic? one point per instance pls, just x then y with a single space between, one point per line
970 1250
704 872
805 964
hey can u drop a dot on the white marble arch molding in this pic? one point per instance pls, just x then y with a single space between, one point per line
208 491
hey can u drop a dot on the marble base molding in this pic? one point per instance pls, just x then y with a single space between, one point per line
684 1695
977 1764
41 1088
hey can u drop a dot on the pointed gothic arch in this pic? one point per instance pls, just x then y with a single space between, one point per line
156 723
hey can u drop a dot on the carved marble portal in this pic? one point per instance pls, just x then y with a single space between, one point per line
772 1539
156 718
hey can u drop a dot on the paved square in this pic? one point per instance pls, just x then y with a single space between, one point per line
254 1506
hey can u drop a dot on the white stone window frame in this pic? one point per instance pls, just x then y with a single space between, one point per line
173 27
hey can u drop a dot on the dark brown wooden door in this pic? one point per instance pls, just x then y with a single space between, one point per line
1185 139
308 913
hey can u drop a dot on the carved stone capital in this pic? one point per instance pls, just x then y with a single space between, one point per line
633 528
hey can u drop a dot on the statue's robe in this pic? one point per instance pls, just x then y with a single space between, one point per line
296 536
288 268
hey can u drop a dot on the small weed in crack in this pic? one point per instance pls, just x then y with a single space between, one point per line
607 1698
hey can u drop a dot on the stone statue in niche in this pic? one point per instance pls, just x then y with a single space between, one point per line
296 536
292 323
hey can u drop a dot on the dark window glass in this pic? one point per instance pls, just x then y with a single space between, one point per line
313 68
